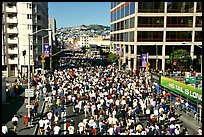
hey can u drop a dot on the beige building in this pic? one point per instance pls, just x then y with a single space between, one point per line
147 27
19 20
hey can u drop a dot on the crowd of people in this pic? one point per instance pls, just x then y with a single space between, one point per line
113 102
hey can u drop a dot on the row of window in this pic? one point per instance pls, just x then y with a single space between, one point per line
114 4
125 10
172 7
156 22
37 17
157 36
125 24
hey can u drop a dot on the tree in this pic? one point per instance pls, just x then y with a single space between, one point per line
83 49
113 58
180 58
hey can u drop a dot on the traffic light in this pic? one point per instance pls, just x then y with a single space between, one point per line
24 52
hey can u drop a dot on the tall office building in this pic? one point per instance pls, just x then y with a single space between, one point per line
143 27
19 20
52 25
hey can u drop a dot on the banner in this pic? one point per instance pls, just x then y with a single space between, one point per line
46 49
117 50
182 89
144 60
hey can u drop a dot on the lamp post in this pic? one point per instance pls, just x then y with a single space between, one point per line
156 56
29 35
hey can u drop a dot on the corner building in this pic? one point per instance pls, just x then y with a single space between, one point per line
141 27
19 19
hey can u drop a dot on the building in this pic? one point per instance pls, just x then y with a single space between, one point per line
143 27
84 40
19 19
52 25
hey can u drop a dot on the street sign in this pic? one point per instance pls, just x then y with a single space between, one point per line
29 92
147 64
43 61
42 56
46 49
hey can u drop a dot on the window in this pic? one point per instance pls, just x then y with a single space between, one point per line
35 7
126 48
150 21
178 36
180 7
13 46
39 27
13 56
122 12
12 36
29 16
150 36
199 7
179 21
125 37
132 8
132 22
126 10
199 21
38 17
151 7
131 36
127 24
198 36
29 27
11 26
132 49
29 5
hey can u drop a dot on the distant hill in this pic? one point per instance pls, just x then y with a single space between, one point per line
96 27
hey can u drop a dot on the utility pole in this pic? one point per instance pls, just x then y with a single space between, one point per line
29 77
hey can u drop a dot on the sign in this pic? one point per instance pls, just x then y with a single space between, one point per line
147 68
182 89
117 50
148 64
43 61
42 56
144 60
29 92
46 49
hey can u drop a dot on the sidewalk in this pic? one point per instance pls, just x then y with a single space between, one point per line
19 108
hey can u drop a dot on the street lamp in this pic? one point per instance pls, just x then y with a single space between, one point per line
29 35
156 56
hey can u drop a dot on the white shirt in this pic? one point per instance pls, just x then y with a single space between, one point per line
110 131
56 130
49 115
71 129
41 123
14 119
4 129
156 112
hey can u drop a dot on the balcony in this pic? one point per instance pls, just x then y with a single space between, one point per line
13 30
12 20
13 41
11 9
13 61
13 51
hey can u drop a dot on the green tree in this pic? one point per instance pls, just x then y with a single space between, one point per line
83 49
113 58
180 58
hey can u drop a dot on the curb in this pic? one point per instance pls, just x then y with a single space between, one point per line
37 125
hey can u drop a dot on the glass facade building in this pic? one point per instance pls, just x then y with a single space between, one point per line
140 27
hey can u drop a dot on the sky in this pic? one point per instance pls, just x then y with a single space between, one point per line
71 14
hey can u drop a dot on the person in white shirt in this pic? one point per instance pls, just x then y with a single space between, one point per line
71 130
49 116
14 122
41 125
81 127
4 129
56 130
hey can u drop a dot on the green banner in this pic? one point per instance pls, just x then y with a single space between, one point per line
182 89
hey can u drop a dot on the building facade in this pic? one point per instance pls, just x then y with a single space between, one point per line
84 40
19 20
143 27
